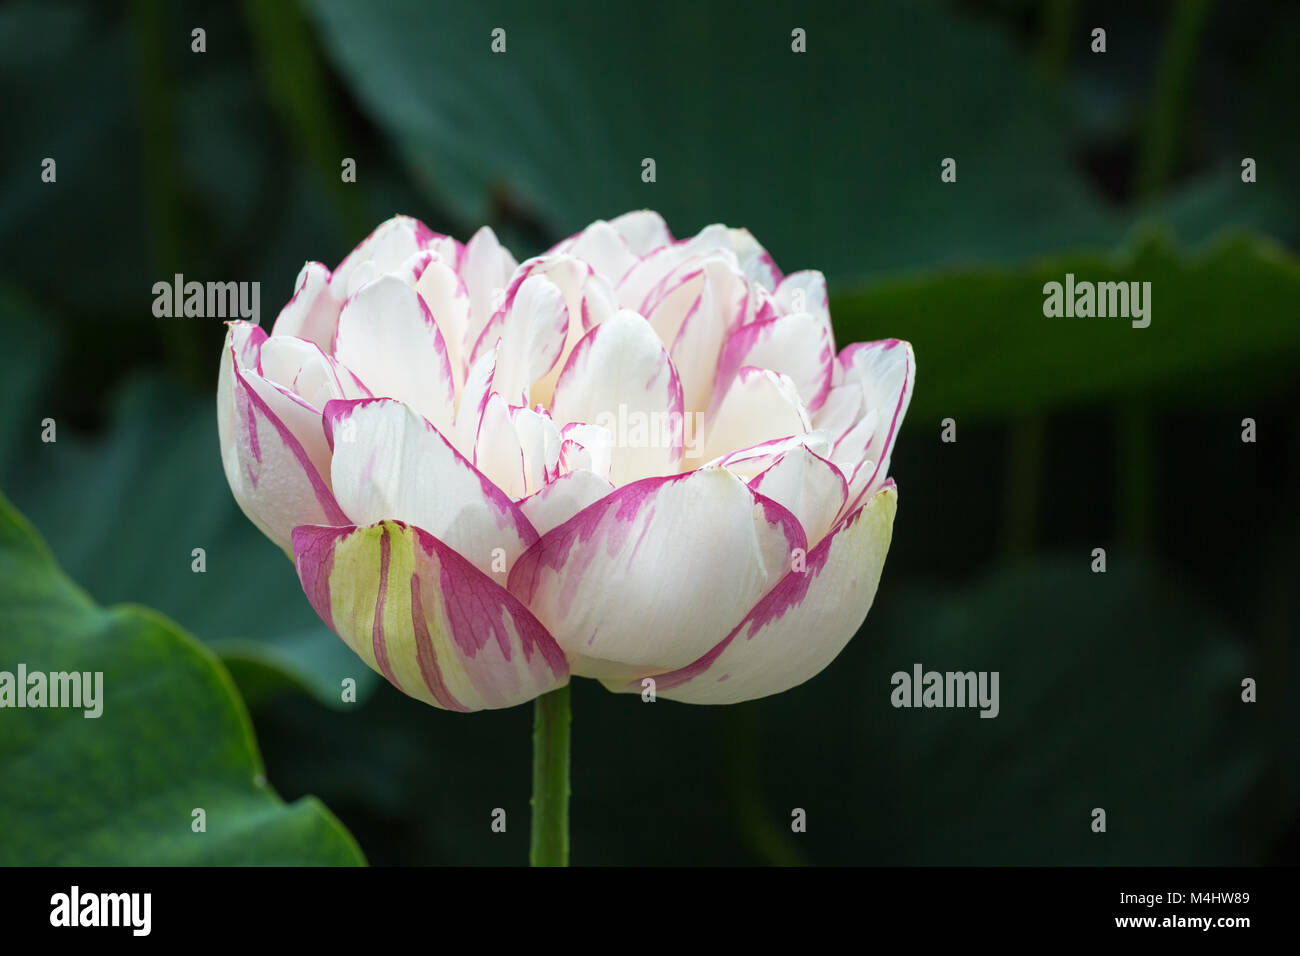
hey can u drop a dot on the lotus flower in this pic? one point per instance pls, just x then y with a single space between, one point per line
631 457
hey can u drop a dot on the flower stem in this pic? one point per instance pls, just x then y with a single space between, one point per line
549 845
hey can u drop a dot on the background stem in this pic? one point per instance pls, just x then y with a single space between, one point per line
549 844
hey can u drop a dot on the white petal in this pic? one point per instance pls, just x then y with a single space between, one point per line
643 230
812 489
270 446
886 370
391 463
533 330
385 249
656 572
563 498
389 340
759 405
620 377
754 259
449 303
313 312
799 627
803 291
486 269
301 367
800 345
586 447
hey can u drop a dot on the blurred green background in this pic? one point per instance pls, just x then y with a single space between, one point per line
1119 690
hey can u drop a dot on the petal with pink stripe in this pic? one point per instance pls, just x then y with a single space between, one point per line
388 338
313 312
652 575
268 461
799 627
437 627
621 378
389 463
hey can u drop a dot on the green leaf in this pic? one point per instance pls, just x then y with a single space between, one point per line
172 737
124 513
984 348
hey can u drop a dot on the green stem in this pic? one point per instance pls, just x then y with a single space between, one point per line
549 845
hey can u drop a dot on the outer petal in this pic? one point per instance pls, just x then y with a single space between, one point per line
271 473
800 626
391 463
620 377
389 339
647 578
417 612
887 371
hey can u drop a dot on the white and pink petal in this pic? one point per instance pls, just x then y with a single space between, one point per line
799 626
390 463
628 582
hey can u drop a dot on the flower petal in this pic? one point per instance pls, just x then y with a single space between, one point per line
798 627
886 370
533 329
418 613
643 230
267 462
620 377
391 463
389 340
313 312
449 303
651 575
300 366
800 345
758 405
754 259
384 250
486 269
563 498
812 489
